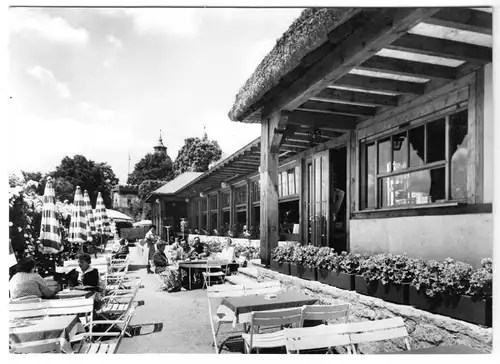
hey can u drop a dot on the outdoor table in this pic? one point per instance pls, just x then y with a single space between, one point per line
73 293
458 349
246 304
195 264
49 327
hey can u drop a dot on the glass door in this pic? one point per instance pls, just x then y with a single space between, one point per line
318 192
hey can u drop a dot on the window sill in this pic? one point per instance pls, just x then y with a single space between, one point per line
445 208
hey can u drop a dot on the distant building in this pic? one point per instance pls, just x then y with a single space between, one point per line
124 197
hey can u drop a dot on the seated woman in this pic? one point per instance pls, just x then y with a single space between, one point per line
227 252
170 273
123 252
26 284
84 278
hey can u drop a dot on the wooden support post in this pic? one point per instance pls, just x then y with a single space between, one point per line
200 215
476 139
219 211
232 208
351 185
209 227
269 190
249 205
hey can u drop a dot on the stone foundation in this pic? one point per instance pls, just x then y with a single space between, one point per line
425 329
221 239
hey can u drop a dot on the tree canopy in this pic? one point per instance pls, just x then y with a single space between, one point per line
153 166
76 171
196 155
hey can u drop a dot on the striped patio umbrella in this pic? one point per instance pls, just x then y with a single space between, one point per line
90 216
78 224
114 232
101 217
49 227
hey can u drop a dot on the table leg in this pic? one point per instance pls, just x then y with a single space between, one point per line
189 270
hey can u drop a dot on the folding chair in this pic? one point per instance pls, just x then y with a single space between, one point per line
266 287
223 315
326 313
282 317
317 337
214 270
36 347
379 330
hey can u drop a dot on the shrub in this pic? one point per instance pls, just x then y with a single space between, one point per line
350 263
328 259
481 280
283 253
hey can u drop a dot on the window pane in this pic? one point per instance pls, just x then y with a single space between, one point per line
400 151
371 176
285 183
417 146
415 188
458 153
291 181
436 141
324 176
297 180
280 185
384 156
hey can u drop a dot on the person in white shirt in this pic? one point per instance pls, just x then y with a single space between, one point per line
150 242
228 251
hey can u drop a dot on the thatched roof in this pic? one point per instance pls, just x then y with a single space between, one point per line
305 34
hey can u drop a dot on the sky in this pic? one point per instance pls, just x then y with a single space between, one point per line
103 82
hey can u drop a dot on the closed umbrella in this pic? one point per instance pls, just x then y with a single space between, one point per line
78 224
101 218
90 216
49 227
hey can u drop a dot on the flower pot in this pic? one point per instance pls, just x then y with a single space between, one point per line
300 271
396 293
336 279
466 308
363 287
283 267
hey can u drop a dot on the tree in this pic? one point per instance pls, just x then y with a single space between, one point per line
148 186
196 155
89 175
153 166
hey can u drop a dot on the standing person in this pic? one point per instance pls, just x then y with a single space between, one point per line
150 242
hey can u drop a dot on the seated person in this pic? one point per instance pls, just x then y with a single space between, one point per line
26 284
116 246
159 258
85 277
197 250
227 252
123 252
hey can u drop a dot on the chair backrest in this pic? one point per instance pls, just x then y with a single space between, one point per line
327 312
316 337
217 292
266 287
37 347
24 310
26 299
378 330
74 306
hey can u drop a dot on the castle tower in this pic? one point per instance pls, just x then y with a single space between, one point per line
161 149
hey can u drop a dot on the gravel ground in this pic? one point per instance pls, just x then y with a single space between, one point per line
186 325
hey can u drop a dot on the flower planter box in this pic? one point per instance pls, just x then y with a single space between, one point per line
300 271
283 268
465 308
395 293
336 279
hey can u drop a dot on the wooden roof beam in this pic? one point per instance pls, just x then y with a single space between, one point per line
276 137
381 84
443 48
338 108
386 26
331 94
403 67
322 120
464 19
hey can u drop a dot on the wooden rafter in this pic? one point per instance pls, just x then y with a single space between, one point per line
322 120
381 84
295 145
403 67
464 19
331 94
338 108
277 132
442 48
385 27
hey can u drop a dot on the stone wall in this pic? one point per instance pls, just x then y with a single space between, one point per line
425 329
236 241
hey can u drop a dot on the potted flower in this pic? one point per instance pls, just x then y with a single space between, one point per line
303 263
454 289
281 257
337 270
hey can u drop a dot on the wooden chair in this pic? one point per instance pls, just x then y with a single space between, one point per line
272 318
36 347
327 312
266 287
317 337
379 330
222 315
214 271
75 306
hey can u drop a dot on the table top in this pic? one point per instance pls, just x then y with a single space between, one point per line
47 323
74 293
245 304
457 349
